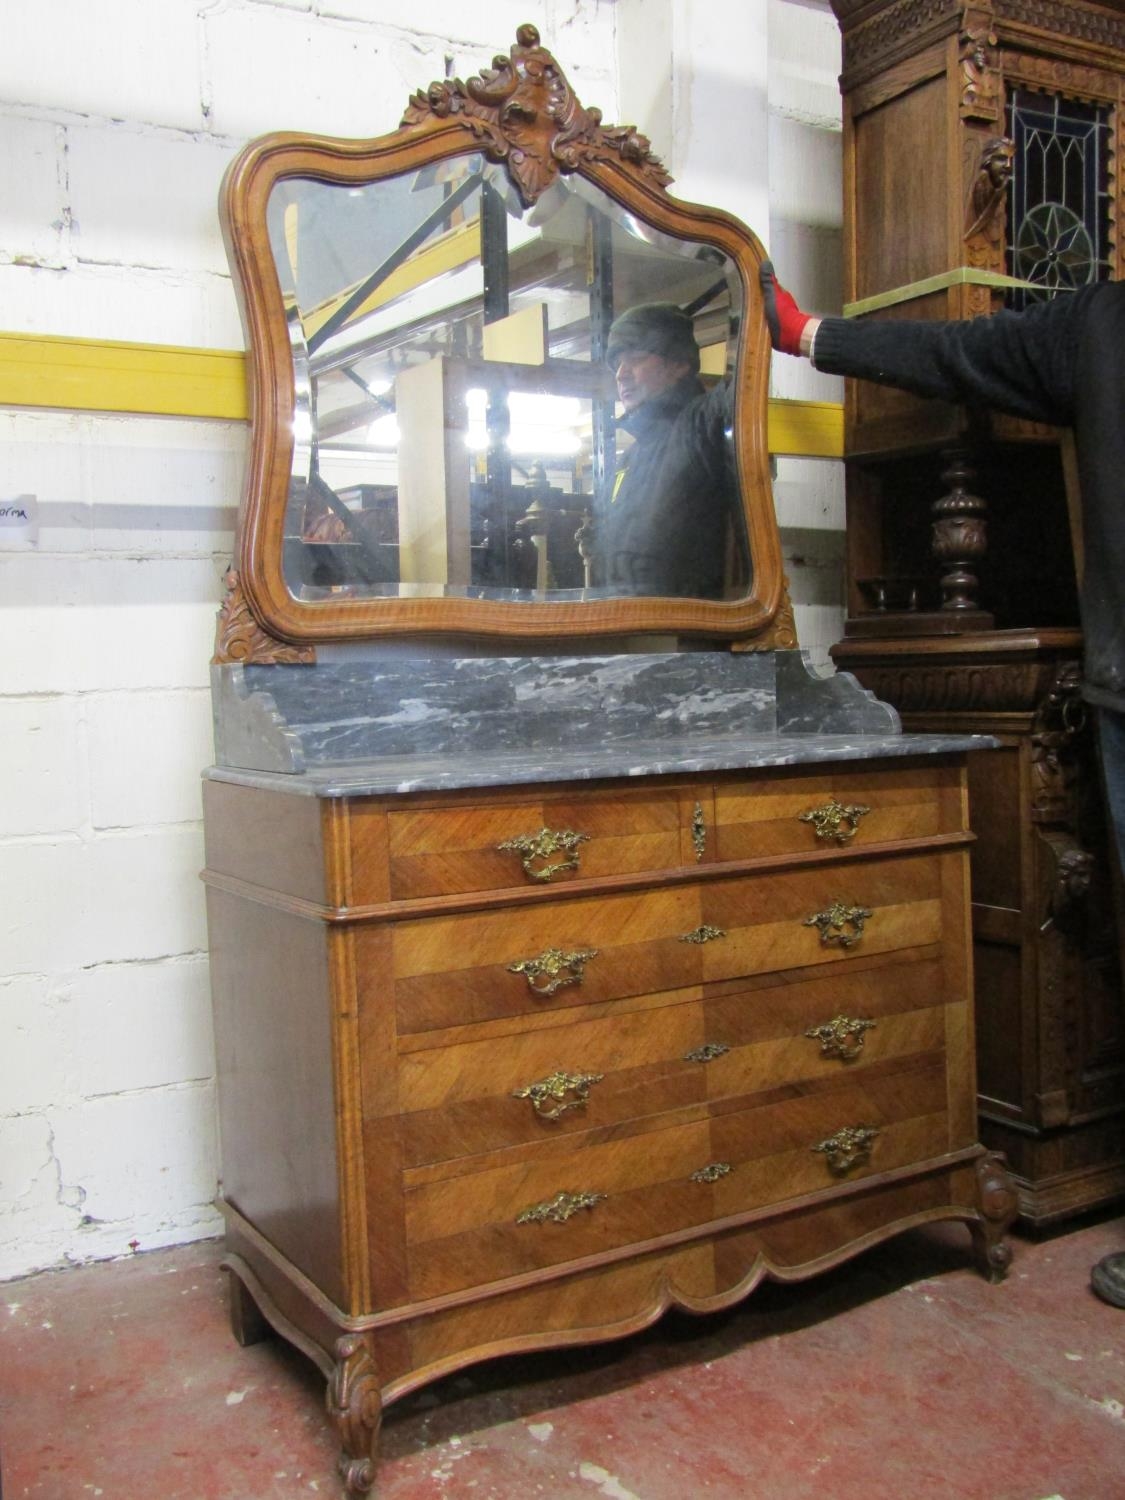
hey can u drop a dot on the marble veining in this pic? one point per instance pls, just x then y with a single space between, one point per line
438 723
293 717
693 754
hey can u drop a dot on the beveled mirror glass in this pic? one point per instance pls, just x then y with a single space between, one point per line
504 383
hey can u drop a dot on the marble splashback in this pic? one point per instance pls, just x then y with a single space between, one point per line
294 718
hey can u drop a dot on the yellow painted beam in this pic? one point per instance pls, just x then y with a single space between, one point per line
45 370
806 429
98 375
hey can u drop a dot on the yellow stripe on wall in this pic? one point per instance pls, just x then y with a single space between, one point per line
45 370
97 375
806 429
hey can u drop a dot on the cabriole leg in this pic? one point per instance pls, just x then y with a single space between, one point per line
998 1204
356 1406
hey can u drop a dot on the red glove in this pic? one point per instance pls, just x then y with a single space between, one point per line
786 320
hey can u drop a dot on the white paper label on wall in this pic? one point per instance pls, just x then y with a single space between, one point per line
19 522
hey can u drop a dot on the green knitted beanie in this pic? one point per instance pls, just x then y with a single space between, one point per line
654 328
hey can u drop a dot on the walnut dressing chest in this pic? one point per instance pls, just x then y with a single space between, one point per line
520 1044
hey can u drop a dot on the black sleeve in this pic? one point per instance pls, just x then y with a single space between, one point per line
1021 363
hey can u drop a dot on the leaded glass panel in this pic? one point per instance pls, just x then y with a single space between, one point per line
1059 205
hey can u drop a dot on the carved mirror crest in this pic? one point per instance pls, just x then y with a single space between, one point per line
503 383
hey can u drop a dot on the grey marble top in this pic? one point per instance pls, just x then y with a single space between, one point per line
439 773
422 724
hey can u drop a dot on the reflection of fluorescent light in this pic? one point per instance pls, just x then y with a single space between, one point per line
302 425
540 424
531 409
476 403
378 387
383 432
530 440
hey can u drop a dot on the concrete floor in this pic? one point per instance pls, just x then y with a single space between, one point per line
901 1376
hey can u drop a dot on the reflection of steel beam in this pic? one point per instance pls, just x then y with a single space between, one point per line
697 304
600 240
416 237
494 253
494 265
382 402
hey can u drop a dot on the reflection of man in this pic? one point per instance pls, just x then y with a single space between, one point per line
663 527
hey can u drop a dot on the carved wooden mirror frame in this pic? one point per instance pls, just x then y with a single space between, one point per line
523 114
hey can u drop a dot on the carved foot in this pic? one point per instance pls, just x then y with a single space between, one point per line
246 1321
999 1204
356 1406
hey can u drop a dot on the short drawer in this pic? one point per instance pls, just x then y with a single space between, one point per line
559 1206
503 1089
791 812
535 841
449 971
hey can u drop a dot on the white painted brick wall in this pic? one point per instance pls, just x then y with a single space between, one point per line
118 118
805 214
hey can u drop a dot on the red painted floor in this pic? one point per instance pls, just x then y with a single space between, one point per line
901 1376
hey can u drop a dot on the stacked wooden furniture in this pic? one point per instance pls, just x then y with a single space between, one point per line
976 138
553 989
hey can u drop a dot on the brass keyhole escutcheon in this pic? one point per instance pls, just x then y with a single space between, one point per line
698 831
840 926
707 1053
841 1037
552 970
532 847
835 820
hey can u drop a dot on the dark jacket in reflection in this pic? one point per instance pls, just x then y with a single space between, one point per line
665 525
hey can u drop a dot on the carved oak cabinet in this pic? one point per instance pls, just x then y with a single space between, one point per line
509 1059
982 147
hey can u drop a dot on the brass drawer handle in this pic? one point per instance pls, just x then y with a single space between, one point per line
848 1147
835 820
558 968
558 1209
702 934
548 1095
712 1172
542 845
835 922
841 1037
698 831
707 1053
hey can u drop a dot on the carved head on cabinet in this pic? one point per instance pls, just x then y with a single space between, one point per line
437 445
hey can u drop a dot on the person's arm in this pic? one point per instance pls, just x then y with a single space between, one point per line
1016 362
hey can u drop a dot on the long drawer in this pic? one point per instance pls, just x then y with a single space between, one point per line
637 1185
515 961
454 846
486 1088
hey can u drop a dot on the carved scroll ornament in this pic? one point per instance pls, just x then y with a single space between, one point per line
239 637
354 1404
526 114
